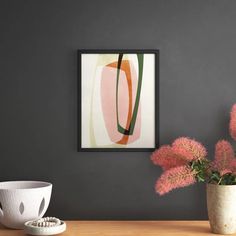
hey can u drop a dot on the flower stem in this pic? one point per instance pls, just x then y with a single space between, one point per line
220 180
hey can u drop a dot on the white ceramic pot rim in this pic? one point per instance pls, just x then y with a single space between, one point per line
22 185
222 186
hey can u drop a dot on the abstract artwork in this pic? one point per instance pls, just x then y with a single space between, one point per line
118 97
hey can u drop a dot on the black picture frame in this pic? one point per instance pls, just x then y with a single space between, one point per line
79 77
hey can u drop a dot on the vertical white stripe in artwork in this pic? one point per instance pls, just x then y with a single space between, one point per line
88 65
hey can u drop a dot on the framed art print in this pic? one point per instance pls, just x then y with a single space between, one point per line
118 100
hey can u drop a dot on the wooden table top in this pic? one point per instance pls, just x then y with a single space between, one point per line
128 228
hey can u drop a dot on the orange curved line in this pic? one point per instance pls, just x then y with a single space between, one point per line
125 66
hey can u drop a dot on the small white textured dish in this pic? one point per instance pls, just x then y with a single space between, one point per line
35 230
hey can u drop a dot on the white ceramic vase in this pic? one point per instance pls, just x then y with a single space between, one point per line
21 201
221 205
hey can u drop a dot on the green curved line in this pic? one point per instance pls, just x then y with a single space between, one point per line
137 99
119 127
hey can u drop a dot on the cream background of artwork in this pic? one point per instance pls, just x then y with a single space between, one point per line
90 74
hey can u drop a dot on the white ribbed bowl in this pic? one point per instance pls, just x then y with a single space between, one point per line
21 201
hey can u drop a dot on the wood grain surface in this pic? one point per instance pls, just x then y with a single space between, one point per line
128 228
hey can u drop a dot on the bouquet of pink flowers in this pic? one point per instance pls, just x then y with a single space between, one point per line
185 162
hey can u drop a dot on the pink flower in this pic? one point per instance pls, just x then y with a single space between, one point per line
232 123
173 178
233 166
224 157
183 152
225 171
196 149
175 161
166 158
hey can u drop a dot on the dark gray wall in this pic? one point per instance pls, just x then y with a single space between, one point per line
38 119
